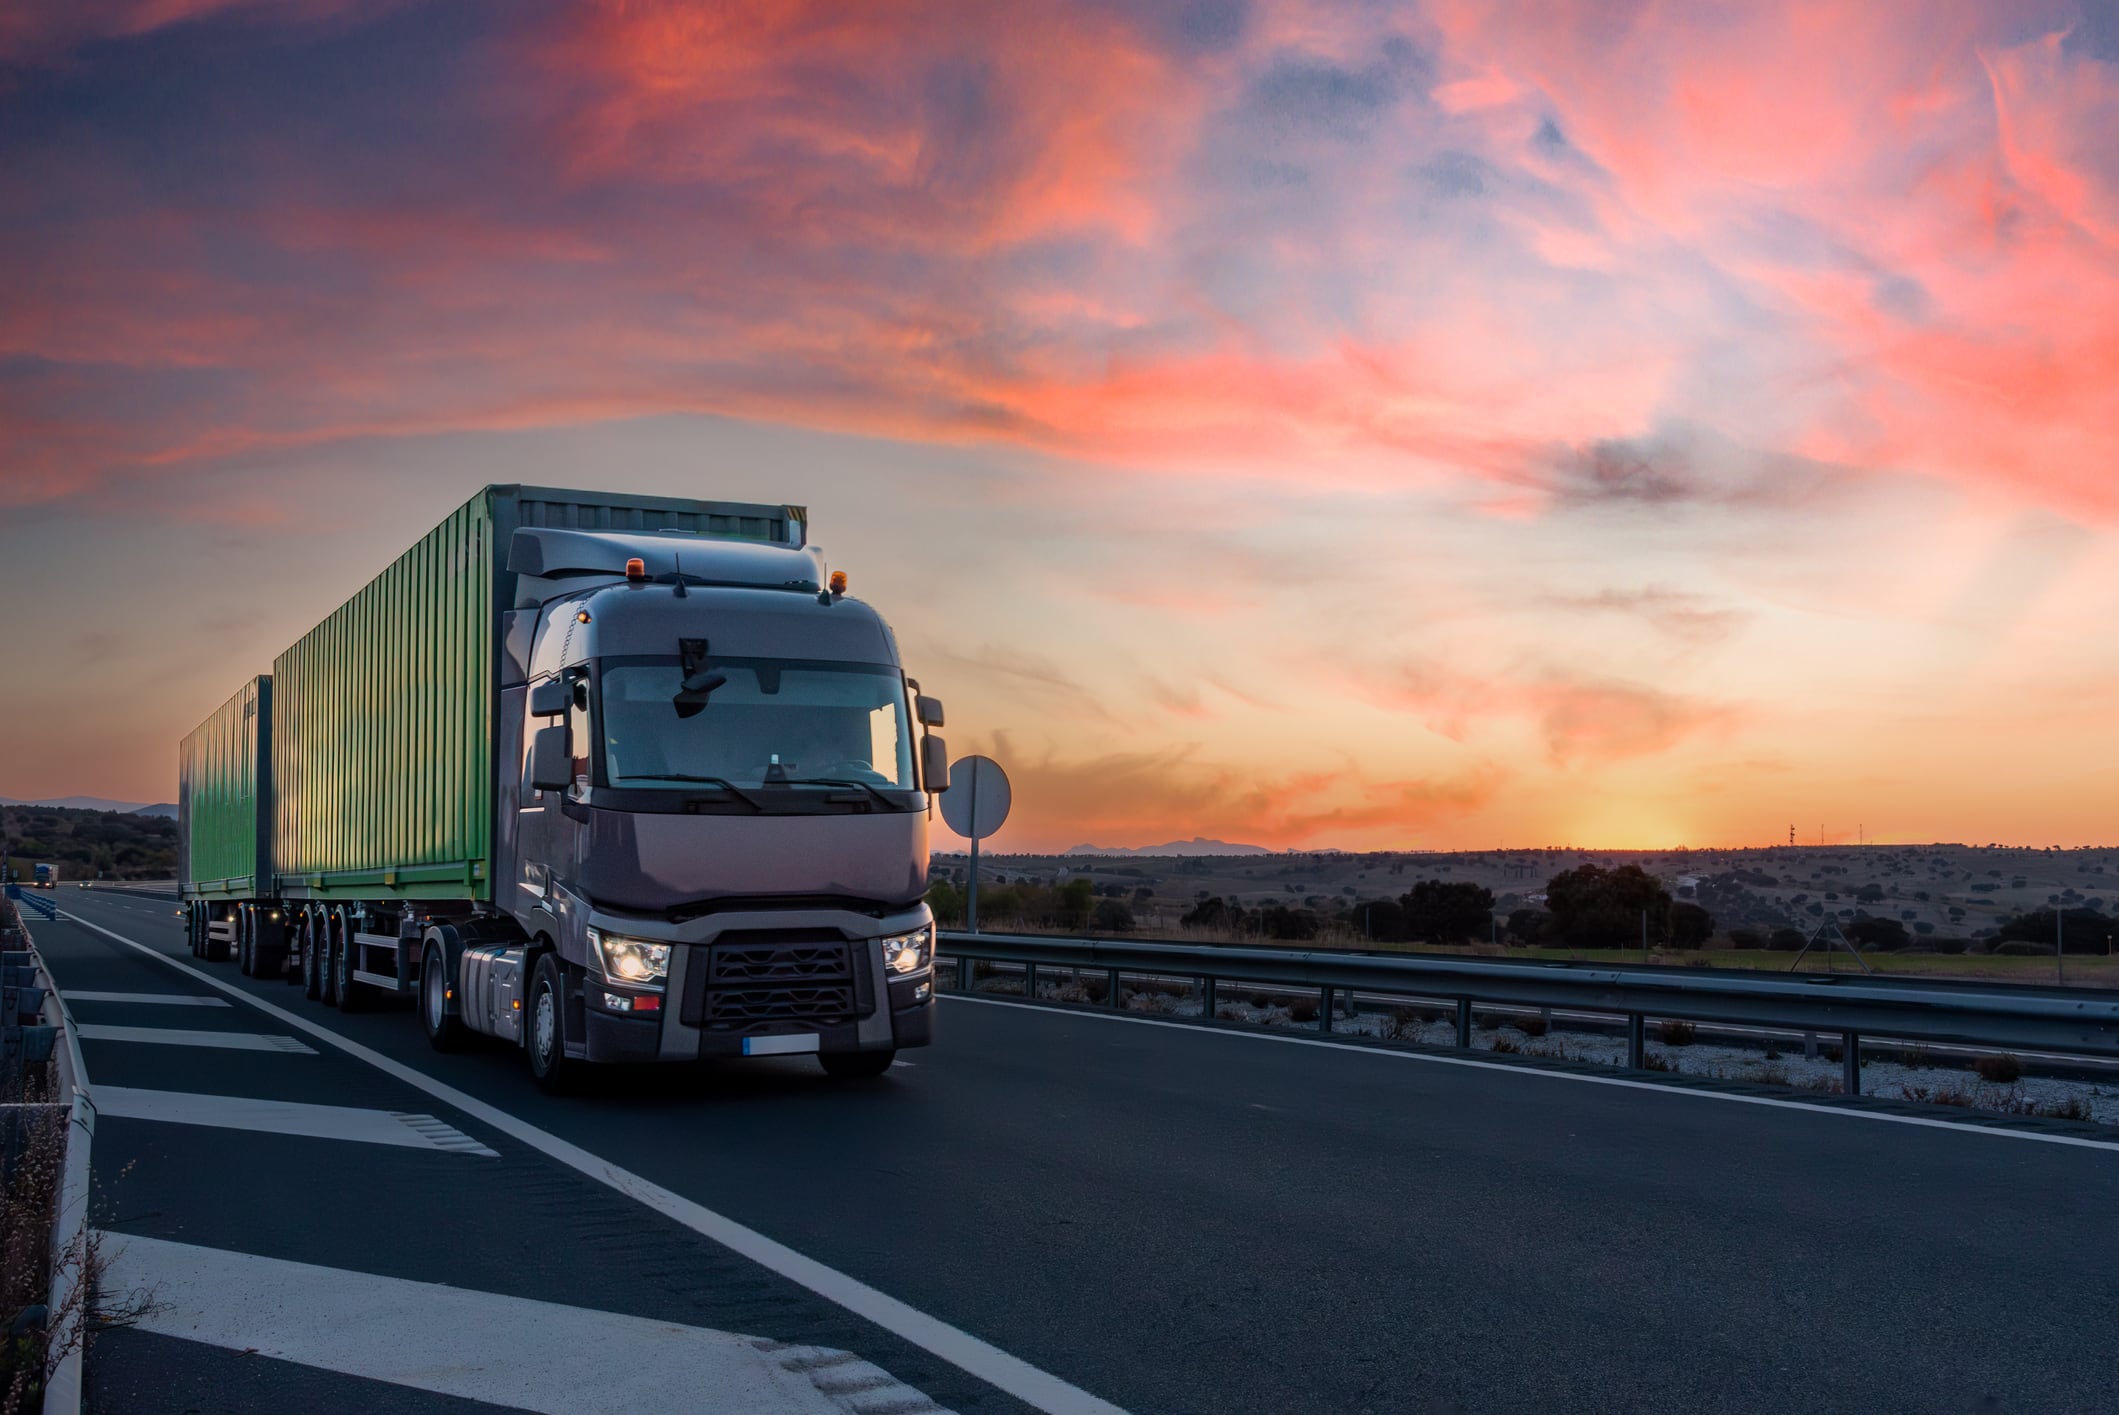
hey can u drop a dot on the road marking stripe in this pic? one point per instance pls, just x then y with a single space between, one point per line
505 1351
1036 1388
323 1122
1435 1059
180 1037
162 999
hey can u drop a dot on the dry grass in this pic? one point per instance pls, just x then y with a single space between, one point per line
1533 1025
2004 1069
1673 1032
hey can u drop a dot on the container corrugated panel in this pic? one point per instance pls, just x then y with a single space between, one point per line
223 799
384 753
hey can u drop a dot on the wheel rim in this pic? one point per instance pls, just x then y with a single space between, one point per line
543 1025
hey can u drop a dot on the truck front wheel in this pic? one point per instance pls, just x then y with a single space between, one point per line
856 1064
544 1029
312 955
445 1032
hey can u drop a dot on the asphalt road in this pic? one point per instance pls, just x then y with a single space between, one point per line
1189 1220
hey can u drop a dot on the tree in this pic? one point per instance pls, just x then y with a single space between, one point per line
1211 913
1598 908
1528 925
1075 897
1112 917
1690 926
1448 913
1282 922
1885 934
2083 928
1382 920
947 903
1787 940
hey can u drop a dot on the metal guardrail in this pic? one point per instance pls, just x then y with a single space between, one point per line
66 1300
39 900
1854 1007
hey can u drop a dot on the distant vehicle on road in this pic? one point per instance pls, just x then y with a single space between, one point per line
614 778
46 877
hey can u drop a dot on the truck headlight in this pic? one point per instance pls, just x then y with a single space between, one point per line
632 960
908 953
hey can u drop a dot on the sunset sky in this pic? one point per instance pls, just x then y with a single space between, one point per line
1307 424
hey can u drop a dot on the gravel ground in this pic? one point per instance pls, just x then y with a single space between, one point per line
1885 1074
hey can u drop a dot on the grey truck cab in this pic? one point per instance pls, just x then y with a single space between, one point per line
720 817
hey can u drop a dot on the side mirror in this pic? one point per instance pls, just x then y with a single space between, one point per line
549 698
929 710
551 769
934 764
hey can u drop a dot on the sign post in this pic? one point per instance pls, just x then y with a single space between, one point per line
975 806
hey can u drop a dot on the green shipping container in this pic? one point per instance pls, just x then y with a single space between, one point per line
384 714
224 818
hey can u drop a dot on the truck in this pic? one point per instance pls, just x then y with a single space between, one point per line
608 778
47 877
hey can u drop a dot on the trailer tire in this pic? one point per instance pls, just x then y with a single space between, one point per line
312 955
445 1030
856 1065
350 996
544 1029
246 952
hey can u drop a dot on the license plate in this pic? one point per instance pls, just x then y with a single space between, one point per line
780 1046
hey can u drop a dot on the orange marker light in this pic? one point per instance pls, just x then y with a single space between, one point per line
636 569
838 582
583 616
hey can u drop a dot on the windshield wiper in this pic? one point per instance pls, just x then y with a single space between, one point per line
867 786
721 781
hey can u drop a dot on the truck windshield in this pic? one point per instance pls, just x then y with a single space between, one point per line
773 721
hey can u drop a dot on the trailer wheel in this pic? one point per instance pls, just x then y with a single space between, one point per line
191 927
312 955
852 1065
445 1030
348 994
544 1033
246 956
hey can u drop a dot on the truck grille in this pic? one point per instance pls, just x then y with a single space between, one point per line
755 980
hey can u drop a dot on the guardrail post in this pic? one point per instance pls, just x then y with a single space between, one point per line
1206 997
1809 1046
1117 994
1850 1064
1030 982
1324 1012
1464 1024
1636 1040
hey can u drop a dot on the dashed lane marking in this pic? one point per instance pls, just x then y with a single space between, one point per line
158 999
323 1122
181 1037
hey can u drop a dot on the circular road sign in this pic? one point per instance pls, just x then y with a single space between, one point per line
977 800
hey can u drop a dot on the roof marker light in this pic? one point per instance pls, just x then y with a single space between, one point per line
838 582
583 616
636 569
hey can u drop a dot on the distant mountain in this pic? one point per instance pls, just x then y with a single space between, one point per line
166 811
92 803
1197 845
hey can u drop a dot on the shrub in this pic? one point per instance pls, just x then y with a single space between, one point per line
2004 1069
1303 1009
1487 1021
1772 1076
2073 1108
1534 1025
1916 1055
1832 1053
1673 1032
1937 1095
1788 940
1773 1053
1503 1044
1112 917
1227 1014
1656 1061
1746 938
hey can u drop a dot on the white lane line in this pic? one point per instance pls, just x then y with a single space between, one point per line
180 1037
1434 1059
504 1351
323 1122
161 999
1039 1389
